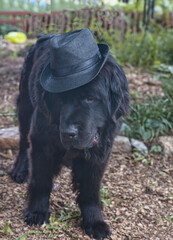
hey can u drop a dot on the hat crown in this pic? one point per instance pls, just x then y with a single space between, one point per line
72 48
74 60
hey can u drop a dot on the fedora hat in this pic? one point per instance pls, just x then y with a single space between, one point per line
75 59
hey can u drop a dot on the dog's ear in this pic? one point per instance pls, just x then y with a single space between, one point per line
119 95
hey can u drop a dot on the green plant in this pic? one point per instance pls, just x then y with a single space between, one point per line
169 218
147 158
65 215
55 224
152 117
138 157
143 49
10 112
7 229
136 49
164 44
24 236
105 195
156 149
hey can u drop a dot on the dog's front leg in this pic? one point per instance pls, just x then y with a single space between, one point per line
42 156
87 179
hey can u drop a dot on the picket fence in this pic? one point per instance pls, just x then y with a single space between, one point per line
65 20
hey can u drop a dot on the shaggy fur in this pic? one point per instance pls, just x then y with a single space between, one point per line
76 126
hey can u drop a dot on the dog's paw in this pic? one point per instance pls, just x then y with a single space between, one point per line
36 218
19 176
98 230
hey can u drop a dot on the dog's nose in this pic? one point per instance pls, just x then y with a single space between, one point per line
69 133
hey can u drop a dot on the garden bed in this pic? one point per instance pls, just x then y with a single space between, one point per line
137 196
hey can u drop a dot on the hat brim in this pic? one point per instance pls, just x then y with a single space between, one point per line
61 84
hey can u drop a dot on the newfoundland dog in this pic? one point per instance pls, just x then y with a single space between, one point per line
76 126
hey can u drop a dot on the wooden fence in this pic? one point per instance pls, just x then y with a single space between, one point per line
63 21
16 19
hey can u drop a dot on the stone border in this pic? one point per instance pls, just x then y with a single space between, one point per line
9 139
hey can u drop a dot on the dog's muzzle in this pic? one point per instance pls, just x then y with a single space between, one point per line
69 135
70 139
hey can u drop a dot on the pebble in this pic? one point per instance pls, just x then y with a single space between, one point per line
140 146
121 145
166 143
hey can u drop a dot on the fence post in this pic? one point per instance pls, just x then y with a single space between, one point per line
122 25
63 16
129 21
87 17
163 19
117 21
170 24
135 22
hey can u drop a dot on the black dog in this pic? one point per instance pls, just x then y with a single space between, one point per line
79 124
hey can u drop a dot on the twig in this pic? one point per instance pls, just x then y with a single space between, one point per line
7 114
5 156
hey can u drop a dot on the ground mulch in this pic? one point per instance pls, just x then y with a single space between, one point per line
138 197
139 203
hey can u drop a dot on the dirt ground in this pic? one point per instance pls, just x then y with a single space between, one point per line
138 197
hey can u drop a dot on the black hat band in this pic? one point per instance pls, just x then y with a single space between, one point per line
62 72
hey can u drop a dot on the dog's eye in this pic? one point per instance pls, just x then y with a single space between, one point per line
89 99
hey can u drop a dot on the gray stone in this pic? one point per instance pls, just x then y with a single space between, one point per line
1 173
121 145
9 138
140 146
166 142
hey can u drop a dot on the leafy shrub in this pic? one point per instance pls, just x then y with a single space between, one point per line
165 46
136 49
142 49
152 117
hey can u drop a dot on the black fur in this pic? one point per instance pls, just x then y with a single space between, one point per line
78 126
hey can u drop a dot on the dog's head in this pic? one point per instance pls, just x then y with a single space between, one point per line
87 111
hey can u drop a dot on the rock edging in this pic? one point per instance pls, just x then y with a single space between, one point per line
9 139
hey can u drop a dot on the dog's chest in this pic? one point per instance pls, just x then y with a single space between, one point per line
70 155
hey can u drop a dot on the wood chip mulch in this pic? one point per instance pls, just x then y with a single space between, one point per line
139 196
139 203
